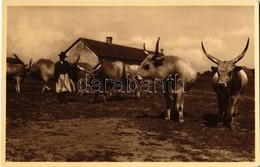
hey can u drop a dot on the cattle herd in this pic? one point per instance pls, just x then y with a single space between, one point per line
228 80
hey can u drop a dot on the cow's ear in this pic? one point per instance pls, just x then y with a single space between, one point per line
158 61
237 69
214 69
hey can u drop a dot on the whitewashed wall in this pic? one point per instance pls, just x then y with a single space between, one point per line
86 55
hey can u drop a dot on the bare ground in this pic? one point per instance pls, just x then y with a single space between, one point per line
39 129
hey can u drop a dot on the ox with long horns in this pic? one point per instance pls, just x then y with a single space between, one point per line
17 70
158 66
228 82
109 73
43 70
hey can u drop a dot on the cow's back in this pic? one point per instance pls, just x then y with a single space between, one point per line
44 69
183 69
15 70
47 70
113 70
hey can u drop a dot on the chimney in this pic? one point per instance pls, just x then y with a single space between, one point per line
161 51
109 40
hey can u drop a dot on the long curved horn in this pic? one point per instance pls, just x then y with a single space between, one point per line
239 57
213 59
157 47
145 51
30 63
18 59
81 68
156 54
97 67
77 59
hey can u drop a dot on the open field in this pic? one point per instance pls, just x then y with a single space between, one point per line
39 129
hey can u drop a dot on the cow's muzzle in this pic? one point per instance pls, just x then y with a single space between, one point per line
222 84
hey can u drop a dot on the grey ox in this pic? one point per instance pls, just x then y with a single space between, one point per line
112 73
228 82
17 70
158 66
43 70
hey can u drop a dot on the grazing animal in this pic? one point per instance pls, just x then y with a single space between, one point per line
43 70
108 72
228 82
17 70
158 66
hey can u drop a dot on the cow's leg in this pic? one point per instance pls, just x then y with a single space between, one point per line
17 86
169 100
105 92
48 88
179 106
45 80
95 98
136 95
43 88
105 97
223 103
221 110
234 102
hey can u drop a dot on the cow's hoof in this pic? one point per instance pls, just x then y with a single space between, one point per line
181 120
167 118
233 126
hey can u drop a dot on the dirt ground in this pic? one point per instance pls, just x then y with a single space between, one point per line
39 129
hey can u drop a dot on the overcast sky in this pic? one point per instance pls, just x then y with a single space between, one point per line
42 32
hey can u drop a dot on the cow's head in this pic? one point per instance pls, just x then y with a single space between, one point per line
148 67
27 67
76 66
225 69
75 69
96 70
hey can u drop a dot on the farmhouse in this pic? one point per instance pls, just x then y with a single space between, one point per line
92 51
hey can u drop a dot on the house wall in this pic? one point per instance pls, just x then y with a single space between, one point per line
86 55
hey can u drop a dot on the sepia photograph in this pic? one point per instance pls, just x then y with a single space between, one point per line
130 83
